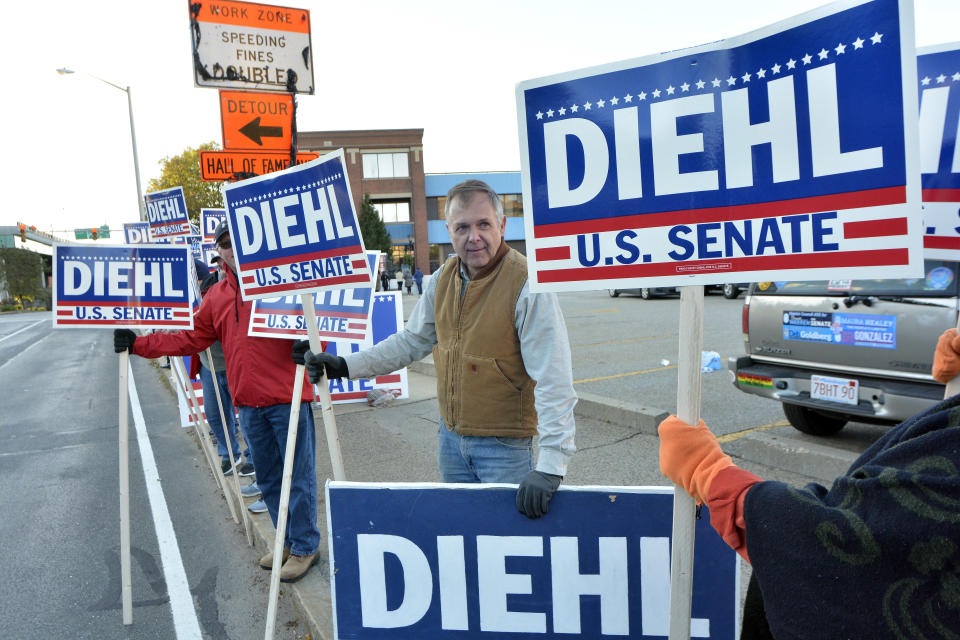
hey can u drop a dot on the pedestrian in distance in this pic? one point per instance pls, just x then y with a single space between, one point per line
261 377
399 279
408 280
502 355
384 281
887 532
418 279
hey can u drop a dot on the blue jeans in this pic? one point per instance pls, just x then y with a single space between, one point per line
213 413
266 428
482 459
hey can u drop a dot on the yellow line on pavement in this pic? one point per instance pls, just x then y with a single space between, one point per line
730 437
625 340
624 375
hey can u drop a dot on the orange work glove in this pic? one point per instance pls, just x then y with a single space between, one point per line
946 359
690 456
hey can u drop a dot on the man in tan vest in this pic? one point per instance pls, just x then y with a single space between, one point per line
502 357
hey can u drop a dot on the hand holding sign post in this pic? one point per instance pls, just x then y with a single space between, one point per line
296 231
764 156
132 286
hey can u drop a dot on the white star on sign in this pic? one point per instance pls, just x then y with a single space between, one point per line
822 54
642 95
600 103
684 87
775 68
701 84
858 43
745 77
731 81
941 78
562 111
925 81
791 63
876 37
656 93
539 115
628 98
956 77
670 90
715 82
575 108
549 113
840 48
586 106
614 100
806 59
761 73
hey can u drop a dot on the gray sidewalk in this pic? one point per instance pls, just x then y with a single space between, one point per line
616 443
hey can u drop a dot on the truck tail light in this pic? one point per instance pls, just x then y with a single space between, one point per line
745 320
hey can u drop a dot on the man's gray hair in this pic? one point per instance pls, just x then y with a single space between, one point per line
461 194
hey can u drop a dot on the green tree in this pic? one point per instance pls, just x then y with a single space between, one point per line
374 232
22 272
184 171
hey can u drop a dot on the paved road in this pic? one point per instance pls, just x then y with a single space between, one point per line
59 473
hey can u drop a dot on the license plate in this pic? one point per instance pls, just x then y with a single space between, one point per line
841 390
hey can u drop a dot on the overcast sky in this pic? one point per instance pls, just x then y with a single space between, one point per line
446 66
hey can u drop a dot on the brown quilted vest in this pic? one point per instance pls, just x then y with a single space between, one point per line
482 385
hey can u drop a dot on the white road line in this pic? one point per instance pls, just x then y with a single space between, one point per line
21 330
185 621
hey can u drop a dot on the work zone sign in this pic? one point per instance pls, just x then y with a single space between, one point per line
784 154
256 121
245 45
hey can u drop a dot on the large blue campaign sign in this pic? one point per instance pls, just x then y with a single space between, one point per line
786 153
296 231
938 74
386 319
144 286
452 562
136 232
167 214
209 219
342 314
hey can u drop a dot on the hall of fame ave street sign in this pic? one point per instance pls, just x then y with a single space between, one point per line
787 153
218 166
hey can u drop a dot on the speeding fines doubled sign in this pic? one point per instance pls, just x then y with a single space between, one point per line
409 561
788 151
939 81
144 286
296 231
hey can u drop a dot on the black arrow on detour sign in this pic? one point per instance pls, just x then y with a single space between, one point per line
254 131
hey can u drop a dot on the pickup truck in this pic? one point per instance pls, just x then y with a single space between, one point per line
846 350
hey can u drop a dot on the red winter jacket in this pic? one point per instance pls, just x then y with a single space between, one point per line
260 371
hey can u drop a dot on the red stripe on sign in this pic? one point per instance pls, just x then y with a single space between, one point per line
305 257
67 312
940 195
328 314
247 279
309 284
134 323
286 332
553 253
122 303
875 228
353 395
339 334
357 325
835 202
257 320
385 379
940 242
877 257
359 264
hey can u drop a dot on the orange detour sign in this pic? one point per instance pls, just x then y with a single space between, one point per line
245 45
235 165
254 121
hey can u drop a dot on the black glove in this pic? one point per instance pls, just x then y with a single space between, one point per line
335 365
300 347
536 489
123 340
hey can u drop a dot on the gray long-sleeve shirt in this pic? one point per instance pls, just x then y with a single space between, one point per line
544 347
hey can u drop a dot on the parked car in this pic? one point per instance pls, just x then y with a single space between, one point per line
730 290
646 293
846 350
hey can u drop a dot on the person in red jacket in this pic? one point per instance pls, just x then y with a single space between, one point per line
877 555
261 375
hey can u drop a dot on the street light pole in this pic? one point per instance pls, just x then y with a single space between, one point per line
133 135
